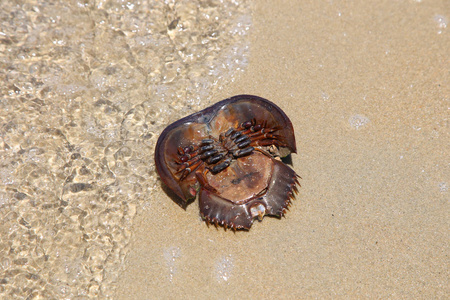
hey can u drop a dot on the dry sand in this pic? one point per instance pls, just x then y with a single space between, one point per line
367 88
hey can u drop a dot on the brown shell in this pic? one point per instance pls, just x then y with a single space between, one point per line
247 181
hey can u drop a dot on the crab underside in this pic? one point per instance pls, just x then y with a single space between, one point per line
229 154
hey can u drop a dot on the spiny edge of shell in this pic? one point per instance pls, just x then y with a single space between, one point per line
290 195
222 223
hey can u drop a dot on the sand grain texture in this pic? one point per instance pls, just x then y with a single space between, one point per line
367 88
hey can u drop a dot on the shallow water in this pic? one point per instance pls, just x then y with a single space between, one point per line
87 88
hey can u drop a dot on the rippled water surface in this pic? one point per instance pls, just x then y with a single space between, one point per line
87 86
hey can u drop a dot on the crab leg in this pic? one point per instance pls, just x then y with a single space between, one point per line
222 166
201 177
187 170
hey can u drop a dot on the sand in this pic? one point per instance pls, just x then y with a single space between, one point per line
367 88
87 88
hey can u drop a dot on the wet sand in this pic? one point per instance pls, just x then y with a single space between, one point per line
86 89
367 89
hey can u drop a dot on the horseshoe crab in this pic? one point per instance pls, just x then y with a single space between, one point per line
229 154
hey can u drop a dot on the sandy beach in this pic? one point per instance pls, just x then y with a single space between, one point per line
367 89
88 86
